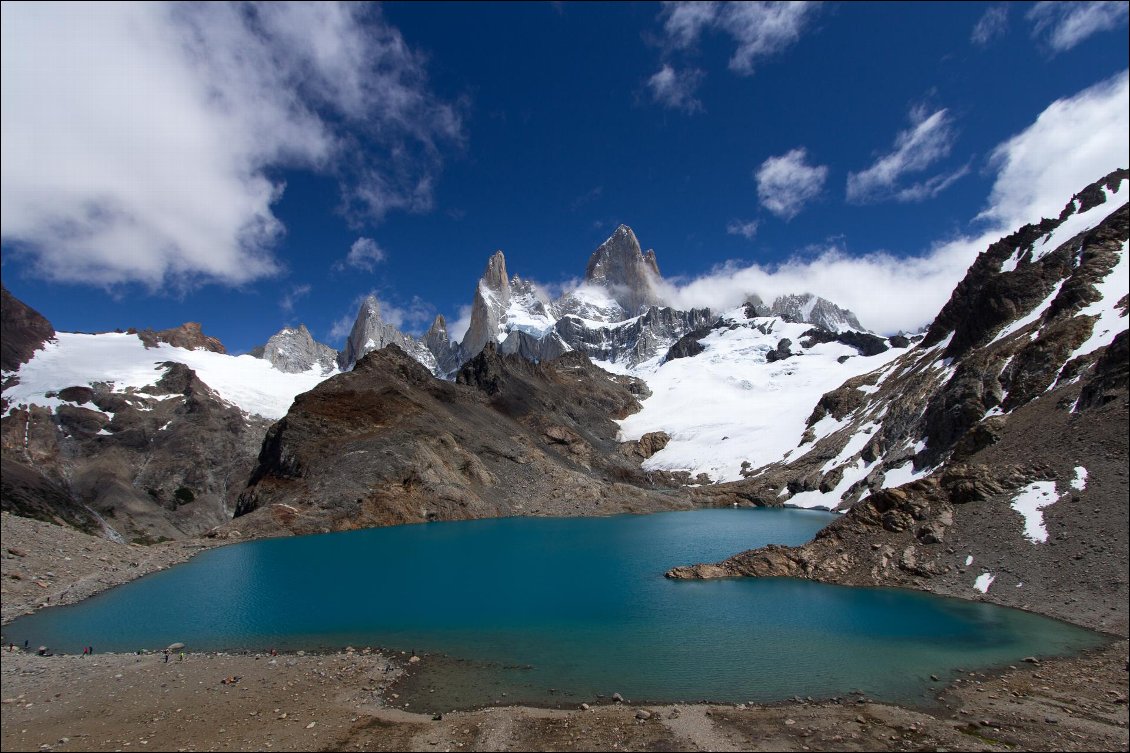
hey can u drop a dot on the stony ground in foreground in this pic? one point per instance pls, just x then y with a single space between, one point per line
349 701
346 701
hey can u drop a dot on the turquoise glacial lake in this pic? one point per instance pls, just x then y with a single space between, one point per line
554 611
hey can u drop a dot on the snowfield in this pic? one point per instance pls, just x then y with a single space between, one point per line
123 361
729 405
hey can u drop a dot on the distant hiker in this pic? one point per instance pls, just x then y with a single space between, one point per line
84 652
90 650
181 656
25 645
166 656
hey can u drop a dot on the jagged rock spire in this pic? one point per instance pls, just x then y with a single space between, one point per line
631 277
370 332
492 298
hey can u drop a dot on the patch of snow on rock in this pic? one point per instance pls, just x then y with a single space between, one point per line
903 474
1030 502
1079 483
984 580
1111 320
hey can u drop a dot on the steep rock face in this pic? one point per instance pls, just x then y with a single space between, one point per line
488 309
189 336
163 461
1015 274
387 443
633 341
630 276
814 310
1017 393
907 418
449 356
370 332
294 350
532 348
23 330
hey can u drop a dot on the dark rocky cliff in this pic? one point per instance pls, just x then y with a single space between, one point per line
389 443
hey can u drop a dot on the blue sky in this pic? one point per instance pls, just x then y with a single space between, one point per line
253 167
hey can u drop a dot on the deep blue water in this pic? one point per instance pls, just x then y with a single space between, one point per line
579 605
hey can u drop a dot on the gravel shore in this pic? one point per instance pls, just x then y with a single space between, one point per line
349 700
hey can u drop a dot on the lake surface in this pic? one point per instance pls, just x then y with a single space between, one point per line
552 610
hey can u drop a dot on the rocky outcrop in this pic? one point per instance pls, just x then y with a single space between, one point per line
943 532
294 350
865 343
688 345
23 330
189 336
809 309
165 461
162 461
387 443
370 332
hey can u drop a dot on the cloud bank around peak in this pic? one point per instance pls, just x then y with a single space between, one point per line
1072 143
139 137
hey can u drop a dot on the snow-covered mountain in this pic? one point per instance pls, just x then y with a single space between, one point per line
989 460
741 402
615 316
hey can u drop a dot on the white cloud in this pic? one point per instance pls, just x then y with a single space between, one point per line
745 229
786 183
363 254
292 295
928 140
412 318
685 21
1072 143
759 29
914 289
340 328
675 89
762 29
1062 25
140 139
932 186
992 24
457 330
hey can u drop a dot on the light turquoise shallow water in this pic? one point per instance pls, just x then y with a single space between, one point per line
579 605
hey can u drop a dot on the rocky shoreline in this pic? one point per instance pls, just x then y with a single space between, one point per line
352 699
